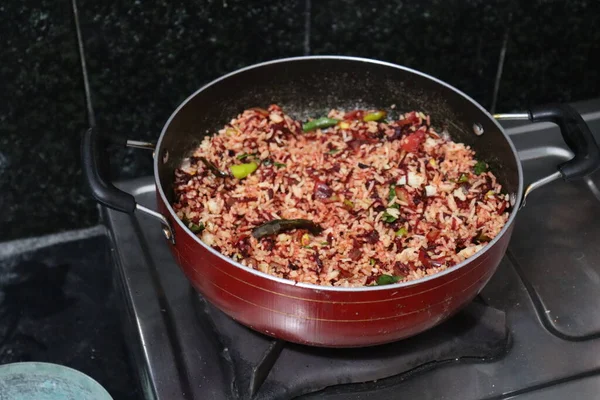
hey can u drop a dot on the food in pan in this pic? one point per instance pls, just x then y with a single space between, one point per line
353 198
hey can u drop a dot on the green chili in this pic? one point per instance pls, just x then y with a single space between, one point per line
374 116
319 123
243 170
281 225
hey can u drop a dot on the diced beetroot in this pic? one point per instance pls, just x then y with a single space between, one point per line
403 195
410 119
437 262
371 237
268 243
354 114
433 234
401 269
322 191
502 207
243 245
355 254
424 258
412 142
371 279
318 262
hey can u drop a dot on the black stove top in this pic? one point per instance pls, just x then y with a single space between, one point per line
533 333
266 368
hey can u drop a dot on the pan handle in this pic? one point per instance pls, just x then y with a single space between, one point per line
95 163
576 134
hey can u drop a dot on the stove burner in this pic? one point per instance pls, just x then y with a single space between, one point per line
267 368
184 348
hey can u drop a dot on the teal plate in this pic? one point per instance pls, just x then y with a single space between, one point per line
44 381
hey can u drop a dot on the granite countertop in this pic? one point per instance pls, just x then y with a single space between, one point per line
57 305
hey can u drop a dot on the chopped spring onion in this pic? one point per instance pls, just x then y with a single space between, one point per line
196 228
463 178
480 167
401 232
388 279
390 215
391 193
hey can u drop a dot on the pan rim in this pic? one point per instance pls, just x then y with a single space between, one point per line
311 286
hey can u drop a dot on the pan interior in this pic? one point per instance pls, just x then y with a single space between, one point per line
309 87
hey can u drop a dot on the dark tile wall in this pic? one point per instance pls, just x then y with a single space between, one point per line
456 41
41 117
143 58
551 53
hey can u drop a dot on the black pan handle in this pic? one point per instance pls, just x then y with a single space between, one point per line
576 134
96 167
95 161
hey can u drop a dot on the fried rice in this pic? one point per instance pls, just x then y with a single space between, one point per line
393 200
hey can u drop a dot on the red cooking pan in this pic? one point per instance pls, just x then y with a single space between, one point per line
309 86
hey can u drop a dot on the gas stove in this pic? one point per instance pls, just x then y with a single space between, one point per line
532 333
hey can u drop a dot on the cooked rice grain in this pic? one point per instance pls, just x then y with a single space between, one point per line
389 204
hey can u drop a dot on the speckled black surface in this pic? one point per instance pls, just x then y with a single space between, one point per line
41 116
57 305
144 58
456 41
551 54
